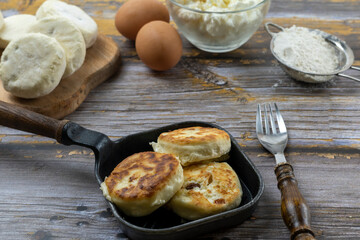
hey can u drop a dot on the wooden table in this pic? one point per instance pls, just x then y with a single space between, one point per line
48 191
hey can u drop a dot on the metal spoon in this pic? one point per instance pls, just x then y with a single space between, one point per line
345 57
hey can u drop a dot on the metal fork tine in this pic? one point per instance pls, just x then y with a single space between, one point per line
280 120
259 125
294 209
273 127
267 128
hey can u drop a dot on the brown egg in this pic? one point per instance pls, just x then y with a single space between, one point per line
159 45
134 14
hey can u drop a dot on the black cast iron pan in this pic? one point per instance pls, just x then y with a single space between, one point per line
162 224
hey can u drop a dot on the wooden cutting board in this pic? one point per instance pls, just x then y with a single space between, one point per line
102 60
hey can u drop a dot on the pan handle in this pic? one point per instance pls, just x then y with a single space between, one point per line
73 133
21 119
64 131
350 77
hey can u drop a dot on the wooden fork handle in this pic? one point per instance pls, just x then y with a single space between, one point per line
294 209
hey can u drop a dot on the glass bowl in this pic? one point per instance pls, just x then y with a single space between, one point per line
220 28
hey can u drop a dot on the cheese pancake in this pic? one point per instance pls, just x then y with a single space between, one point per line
32 65
143 182
194 144
208 189
14 27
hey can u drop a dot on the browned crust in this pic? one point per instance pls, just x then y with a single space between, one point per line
148 173
204 178
198 135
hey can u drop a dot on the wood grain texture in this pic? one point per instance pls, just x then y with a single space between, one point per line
23 119
49 190
102 61
294 209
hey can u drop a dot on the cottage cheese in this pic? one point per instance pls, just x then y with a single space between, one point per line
219 5
219 28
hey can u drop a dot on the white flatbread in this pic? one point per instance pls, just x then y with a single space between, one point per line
15 26
82 20
32 65
68 35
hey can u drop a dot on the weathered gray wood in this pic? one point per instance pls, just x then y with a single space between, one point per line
48 191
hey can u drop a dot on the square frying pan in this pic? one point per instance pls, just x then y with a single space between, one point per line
161 224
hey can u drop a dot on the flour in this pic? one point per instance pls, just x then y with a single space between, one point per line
305 50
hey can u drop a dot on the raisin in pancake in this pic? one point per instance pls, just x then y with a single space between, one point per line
194 144
143 182
208 189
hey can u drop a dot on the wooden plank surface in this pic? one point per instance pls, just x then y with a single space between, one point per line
48 191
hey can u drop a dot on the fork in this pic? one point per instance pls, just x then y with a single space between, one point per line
294 209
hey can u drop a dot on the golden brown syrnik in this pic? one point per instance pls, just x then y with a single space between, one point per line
143 182
208 189
194 144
